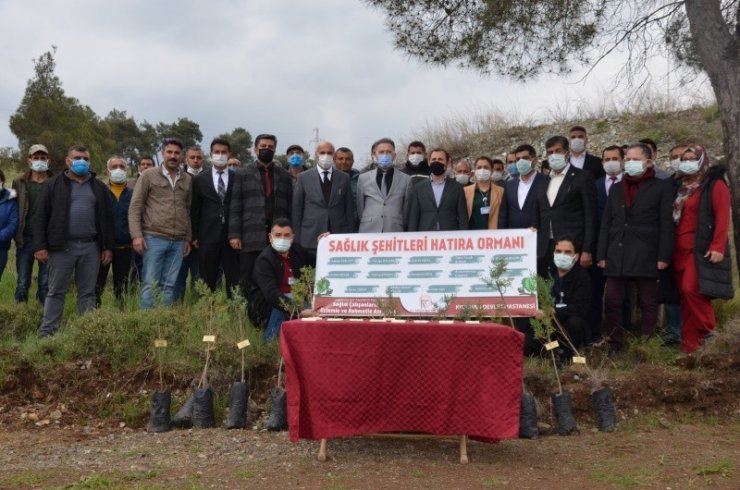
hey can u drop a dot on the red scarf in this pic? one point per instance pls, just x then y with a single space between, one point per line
630 185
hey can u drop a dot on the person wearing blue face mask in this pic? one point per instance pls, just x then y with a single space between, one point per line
518 204
296 161
73 232
511 171
383 193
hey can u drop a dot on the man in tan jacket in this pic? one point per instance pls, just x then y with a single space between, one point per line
159 221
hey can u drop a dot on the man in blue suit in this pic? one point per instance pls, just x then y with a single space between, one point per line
518 205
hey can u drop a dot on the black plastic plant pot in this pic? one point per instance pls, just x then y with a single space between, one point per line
278 419
183 419
159 415
562 406
238 405
606 415
528 417
203 416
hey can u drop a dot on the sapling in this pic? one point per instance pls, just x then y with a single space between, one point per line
387 305
159 415
239 393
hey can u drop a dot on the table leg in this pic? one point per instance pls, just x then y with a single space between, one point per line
463 449
322 450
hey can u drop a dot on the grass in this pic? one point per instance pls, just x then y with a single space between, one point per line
720 468
26 479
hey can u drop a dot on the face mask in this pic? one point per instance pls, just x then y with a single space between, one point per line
563 262
497 175
416 159
281 245
80 167
634 168
511 168
523 166
265 155
462 178
676 164
118 176
219 160
484 175
194 171
556 161
612 167
295 160
689 167
385 160
39 165
577 145
437 168
325 161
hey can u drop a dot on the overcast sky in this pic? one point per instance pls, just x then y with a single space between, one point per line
279 66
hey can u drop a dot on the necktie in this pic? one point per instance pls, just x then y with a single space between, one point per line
384 184
268 184
614 181
326 176
221 186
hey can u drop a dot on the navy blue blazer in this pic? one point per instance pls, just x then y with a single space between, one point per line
510 215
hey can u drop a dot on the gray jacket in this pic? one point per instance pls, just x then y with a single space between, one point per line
379 212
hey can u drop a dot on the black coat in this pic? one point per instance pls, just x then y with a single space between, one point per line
268 272
572 213
510 214
51 220
424 214
593 164
575 287
209 216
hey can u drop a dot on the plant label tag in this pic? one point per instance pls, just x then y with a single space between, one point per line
209 338
243 344
552 345
579 360
160 343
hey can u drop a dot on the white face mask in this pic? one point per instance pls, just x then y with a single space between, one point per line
194 171
462 178
612 167
483 175
281 245
118 176
325 161
416 159
556 161
564 262
689 167
675 164
497 175
577 145
219 160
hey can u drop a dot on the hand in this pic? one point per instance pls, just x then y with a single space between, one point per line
194 243
139 245
714 257
601 264
42 256
186 249
662 265
106 256
235 243
586 259
323 235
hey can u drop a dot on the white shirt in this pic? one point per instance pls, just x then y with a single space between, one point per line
523 189
169 177
224 173
578 162
608 181
556 180
321 173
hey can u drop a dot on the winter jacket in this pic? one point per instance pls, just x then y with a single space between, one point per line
120 206
159 209
8 217
20 185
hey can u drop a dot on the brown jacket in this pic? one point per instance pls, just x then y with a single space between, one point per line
158 209
497 194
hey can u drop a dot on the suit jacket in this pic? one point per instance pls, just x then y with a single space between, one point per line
312 216
573 212
593 164
380 212
210 217
511 215
425 215
497 195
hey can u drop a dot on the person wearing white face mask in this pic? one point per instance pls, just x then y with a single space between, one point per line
275 271
463 172
635 242
579 157
120 194
416 165
322 200
484 198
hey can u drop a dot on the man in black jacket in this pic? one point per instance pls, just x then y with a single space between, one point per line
416 166
579 157
73 232
209 214
572 294
275 270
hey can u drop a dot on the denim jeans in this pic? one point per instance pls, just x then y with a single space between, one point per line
272 327
162 261
673 324
189 264
24 265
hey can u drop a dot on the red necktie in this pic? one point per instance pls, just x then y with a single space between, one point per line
268 184
614 181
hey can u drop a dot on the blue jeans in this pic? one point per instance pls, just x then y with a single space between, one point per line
272 328
162 260
24 265
673 326
189 264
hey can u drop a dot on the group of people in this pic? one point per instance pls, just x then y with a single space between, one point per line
603 224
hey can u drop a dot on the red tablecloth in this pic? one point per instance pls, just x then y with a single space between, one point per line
350 378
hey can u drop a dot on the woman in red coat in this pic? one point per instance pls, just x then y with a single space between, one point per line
701 257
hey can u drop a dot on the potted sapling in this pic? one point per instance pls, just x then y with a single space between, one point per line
239 392
159 413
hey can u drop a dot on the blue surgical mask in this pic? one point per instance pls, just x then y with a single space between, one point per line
634 168
295 160
385 160
689 167
523 166
511 168
80 167
563 262
556 161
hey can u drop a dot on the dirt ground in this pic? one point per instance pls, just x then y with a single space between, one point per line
643 453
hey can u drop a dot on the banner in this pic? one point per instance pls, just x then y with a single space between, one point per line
427 274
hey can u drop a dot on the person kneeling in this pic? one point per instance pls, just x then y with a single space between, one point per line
276 269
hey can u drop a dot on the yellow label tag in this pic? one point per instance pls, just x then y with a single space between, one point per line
244 343
579 360
160 343
552 345
209 338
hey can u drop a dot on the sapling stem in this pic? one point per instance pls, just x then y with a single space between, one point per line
557 375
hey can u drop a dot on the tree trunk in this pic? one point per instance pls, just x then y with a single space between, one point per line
718 47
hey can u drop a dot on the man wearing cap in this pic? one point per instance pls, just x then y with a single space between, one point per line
73 232
28 188
159 222
296 161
